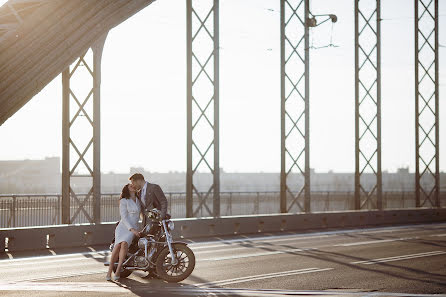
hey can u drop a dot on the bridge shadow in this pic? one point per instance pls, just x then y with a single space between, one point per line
156 287
431 242
327 256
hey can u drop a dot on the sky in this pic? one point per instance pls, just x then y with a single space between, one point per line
143 92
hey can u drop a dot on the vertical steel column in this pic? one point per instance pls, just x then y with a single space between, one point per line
417 134
437 113
379 194
307 187
294 42
368 103
69 140
200 120
283 193
189 180
97 58
66 146
427 175
216 204
357 177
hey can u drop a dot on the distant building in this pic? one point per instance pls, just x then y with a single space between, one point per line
44 176
30 176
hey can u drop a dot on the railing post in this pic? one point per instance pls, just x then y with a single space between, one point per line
57 211
327 202
170 203
256 207
201 207
13 211
230 203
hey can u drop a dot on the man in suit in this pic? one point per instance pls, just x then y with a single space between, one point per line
152 196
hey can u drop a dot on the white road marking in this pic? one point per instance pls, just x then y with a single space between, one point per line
314 235
64 275
398 258
232 248
229 249
258 254
260 277
110 287
269 239
53 257
281 293
64 287
438 235
375 241
51 261
387 231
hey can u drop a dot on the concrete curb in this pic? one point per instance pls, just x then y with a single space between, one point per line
60 236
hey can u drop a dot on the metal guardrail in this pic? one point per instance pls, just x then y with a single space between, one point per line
23 210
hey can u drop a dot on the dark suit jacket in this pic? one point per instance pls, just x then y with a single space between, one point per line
155 197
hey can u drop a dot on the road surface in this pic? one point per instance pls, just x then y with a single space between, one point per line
387 261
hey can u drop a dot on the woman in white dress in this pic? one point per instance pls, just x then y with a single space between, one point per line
127 229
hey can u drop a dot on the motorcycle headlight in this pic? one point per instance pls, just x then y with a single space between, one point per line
154 214
148 226
142 242
170 225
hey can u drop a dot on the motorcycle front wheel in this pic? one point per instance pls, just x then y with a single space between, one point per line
180 271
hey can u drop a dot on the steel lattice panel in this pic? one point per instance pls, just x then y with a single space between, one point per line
367 103
81 137
202 105
295 175
426 103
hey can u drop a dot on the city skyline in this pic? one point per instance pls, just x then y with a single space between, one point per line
45 176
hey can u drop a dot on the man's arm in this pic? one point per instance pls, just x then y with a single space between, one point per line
162 200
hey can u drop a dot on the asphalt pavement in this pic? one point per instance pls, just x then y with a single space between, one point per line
388 261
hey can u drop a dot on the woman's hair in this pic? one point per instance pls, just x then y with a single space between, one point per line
125 193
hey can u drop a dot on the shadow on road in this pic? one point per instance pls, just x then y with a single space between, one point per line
339 258
160 288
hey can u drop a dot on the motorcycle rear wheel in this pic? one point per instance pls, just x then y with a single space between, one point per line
124 273
175 273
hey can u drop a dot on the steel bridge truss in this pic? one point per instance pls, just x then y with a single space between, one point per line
295 158
368 103
427 171
202 19
81 106
81 135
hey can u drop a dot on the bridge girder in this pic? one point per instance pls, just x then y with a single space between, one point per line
39 39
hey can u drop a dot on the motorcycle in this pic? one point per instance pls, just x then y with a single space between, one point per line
156 253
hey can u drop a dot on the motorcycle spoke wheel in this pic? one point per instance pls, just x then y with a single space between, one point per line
180 268
124 273
179 271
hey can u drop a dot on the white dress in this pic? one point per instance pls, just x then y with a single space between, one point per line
130 211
